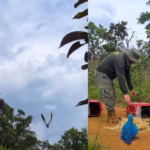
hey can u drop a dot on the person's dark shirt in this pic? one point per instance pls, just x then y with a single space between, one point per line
117 65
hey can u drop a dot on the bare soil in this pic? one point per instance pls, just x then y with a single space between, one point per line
112 138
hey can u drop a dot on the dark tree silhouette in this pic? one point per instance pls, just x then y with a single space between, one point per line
78 35
3 106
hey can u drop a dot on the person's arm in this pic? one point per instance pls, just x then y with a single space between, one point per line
120 71
128 79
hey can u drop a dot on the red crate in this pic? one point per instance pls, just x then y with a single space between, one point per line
138 109
94 108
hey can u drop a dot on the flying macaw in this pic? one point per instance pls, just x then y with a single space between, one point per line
129 130
47 124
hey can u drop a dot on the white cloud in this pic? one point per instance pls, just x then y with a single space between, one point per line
34 73
51 107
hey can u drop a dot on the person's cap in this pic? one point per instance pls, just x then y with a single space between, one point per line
133 54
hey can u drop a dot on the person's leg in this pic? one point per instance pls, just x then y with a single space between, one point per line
115 101
114 91
106 89
108 94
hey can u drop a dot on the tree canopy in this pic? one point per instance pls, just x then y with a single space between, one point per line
145 17
16 133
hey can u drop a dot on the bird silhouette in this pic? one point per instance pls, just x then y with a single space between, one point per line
47 124
129 130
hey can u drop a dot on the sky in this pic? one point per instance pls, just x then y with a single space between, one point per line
35 75
105 12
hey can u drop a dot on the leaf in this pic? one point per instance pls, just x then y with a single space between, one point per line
73 36
43 117
84 102
86 57
81 14
74 47
79 3
84 67
86 27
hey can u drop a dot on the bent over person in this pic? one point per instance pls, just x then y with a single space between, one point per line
116 65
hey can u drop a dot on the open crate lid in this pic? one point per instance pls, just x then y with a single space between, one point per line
93 101
139 104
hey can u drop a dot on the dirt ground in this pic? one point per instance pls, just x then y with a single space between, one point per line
112 138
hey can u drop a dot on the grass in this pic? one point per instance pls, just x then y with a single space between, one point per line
94 142
141 90
94 93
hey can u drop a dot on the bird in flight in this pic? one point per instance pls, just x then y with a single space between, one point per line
47 124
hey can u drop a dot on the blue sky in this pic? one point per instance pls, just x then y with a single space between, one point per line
35 75
107 11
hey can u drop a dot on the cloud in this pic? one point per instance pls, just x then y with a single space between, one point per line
50 107
35 75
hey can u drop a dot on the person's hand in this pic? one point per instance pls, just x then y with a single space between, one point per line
127 98
133 92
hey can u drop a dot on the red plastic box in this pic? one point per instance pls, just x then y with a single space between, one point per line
138 109
94 108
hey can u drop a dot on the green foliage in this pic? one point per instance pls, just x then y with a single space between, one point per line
72 139
145 17
103 42
16 134
110 47
144 49
91 71
94 145
2 148
97 36
118 32
148 33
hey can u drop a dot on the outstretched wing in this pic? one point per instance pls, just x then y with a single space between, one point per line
51 118
43 118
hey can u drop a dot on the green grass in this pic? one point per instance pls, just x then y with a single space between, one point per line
94 142
141 90
94 93
2 148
